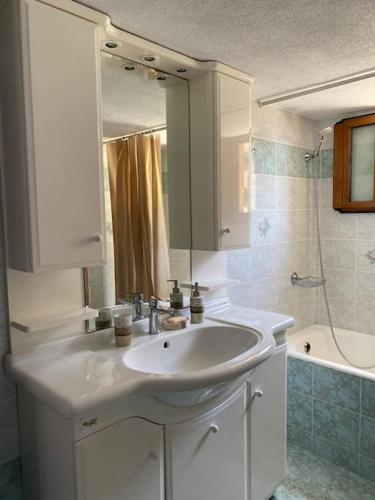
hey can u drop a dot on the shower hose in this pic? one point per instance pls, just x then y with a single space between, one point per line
362 367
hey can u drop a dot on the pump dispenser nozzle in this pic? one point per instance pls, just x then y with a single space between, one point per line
176 297
196 305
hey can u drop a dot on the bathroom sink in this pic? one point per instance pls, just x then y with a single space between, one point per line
81 375
200 356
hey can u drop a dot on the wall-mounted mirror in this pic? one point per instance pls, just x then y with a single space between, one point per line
147 183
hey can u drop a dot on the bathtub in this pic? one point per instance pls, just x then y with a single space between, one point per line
331 405
358 347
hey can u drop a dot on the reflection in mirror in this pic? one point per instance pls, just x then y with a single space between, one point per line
147 184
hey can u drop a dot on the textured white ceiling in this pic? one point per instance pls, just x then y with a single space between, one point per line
284 44
358 97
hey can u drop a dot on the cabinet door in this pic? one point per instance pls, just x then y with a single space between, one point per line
233 145
122 462
52 124
220 162
206 457
267 464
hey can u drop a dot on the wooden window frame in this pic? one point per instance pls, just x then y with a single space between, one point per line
342 166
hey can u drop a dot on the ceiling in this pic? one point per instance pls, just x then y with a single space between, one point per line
284 44
358 98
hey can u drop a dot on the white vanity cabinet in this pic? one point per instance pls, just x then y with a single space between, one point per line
231 447
123 461
220 161
51 135
206 457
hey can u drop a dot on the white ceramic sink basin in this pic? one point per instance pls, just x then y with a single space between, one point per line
192 350
200 356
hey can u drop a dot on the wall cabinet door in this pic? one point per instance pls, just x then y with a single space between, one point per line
206 457
50 101
220 162
267 462
122 462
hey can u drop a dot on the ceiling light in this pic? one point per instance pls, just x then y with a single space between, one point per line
180 70
149 58
160 77
110 44
129 67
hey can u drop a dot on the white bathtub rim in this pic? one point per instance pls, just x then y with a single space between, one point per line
351 370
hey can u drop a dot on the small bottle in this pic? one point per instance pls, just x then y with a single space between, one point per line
196 305
176 296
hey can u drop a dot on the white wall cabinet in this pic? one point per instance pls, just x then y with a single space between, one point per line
123 461
51 135
220 162
206 457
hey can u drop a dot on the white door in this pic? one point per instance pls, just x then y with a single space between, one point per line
267 464
206 457
64 66
233 145
122 462
53 159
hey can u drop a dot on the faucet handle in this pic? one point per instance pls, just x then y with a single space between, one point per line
137 296
153 302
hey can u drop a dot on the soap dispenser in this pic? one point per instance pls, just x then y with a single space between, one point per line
176 296
196 305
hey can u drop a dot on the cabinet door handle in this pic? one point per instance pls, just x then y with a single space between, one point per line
226 230
153 455
97 238
258 393
89 423
214 428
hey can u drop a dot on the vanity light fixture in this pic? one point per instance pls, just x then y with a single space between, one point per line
180 70
149 58
111 44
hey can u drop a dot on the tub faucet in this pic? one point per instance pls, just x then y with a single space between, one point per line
154 320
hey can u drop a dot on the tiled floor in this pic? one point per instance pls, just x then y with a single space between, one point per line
311 477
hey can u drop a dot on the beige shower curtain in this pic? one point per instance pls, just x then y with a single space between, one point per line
139 232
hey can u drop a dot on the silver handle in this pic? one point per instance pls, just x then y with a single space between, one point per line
97 238
258 393
214 428
226 230
153 455
89 423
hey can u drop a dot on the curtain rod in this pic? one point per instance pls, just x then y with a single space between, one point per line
319 87
148 131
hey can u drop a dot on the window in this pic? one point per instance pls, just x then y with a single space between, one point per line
354 165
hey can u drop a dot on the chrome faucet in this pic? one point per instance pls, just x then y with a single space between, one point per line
154 319
137 304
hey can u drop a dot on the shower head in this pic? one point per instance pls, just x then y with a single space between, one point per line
325 131
322 134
